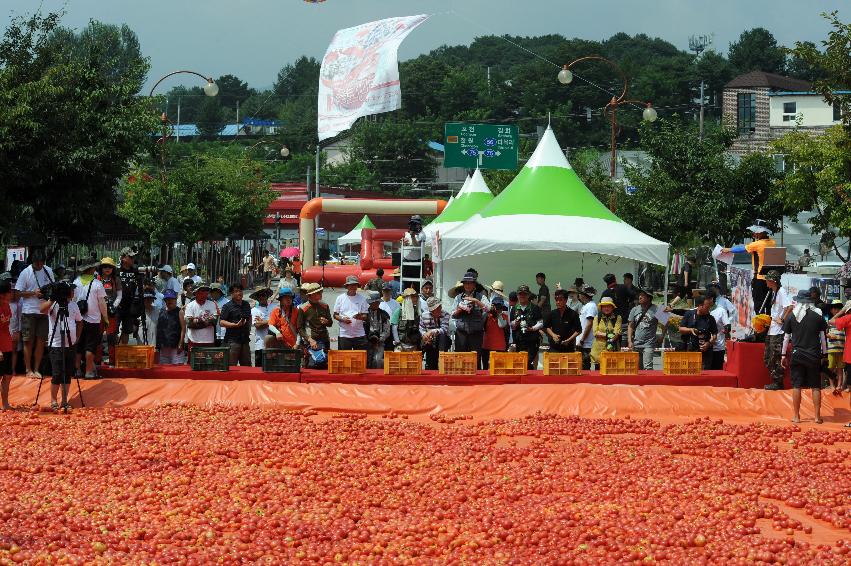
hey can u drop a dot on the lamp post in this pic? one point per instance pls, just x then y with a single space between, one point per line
211 89
284 152
565 76
278 229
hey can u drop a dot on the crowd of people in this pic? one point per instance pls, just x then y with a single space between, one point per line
113 303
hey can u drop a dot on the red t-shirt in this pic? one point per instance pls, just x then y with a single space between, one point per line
5 333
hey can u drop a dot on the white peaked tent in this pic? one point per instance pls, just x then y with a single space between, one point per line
354 237
473 196
547 221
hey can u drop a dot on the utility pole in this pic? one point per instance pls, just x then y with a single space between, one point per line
698 44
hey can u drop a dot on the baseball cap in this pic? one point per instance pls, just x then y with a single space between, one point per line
190 266
169 294
167 268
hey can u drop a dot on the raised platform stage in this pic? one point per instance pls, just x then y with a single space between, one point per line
377 377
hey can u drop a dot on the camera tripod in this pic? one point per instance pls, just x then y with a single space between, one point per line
64 334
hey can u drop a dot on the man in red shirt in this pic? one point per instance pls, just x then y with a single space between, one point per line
6 345
284 322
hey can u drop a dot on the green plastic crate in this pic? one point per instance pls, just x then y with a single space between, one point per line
280 360
209 358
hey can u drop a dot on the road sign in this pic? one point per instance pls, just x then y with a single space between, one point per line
488 146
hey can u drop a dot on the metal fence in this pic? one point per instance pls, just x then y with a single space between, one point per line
231 260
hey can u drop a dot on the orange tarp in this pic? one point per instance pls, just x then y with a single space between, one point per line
482 401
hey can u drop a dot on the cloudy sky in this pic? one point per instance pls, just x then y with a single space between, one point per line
253 39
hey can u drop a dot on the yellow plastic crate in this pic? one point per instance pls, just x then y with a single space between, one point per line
619 363
458 363
509 363
562 363
134 357
346 361
403 363
682 363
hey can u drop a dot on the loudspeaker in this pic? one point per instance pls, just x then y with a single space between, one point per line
324 254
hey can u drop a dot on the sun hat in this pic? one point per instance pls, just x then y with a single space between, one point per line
128 251
203 285
803 296
285 292
183 268
773 275
351 280
524 289
606 301
835 303
312 288
373 297
432 303
108 261
169 294
167 268
409 292
90 265
644 292
760 226
498 287
216 287
260 290
588 290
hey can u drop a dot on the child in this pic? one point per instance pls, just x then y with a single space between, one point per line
835 348
6 346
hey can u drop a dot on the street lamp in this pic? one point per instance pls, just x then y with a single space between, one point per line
211 89
278 229
284 153
565 76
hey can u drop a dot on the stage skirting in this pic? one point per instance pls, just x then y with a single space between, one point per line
377 377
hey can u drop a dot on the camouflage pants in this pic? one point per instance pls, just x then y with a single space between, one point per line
772 357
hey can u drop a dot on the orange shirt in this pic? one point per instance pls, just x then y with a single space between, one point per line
297 267
757 251
494 338
844 323
277 320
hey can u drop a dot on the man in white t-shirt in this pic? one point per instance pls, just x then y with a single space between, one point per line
34 327
781 307
89 289
201 316
723 321
190 269
350 310
585 340
260 319
62 340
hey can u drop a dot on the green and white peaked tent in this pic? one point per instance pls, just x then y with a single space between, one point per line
546 220
354 236
473 196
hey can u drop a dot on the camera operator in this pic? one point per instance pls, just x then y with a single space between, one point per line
166 280
34 325
130 308
90 297
61 350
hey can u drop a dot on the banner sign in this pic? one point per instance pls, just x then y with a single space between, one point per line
360 73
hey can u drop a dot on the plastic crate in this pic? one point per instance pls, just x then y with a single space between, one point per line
403 363
458 363
280 360
682 363
562 363
619 363
209 358
134 357
346 361
509 363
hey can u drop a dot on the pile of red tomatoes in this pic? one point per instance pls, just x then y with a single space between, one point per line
228 485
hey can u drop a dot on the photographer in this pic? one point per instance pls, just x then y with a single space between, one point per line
34 325
469 311
166 280
236 320
130 307
90 297
61 345
200 318
526 321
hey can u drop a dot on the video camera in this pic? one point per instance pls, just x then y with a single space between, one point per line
58 291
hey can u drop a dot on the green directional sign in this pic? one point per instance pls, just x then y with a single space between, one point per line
487 146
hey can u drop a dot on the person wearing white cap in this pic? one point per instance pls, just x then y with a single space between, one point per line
165 279
761 240
190 268
350 310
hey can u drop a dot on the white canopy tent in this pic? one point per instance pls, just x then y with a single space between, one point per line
547 221
354 236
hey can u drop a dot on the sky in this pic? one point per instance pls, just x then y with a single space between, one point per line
253 39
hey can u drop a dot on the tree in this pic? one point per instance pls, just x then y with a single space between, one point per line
757 50
210 119
232 90
817 180
70 121
205 198
298 79
692 193
800 68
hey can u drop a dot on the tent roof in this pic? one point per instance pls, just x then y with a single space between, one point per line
354 236
472 197
548 208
